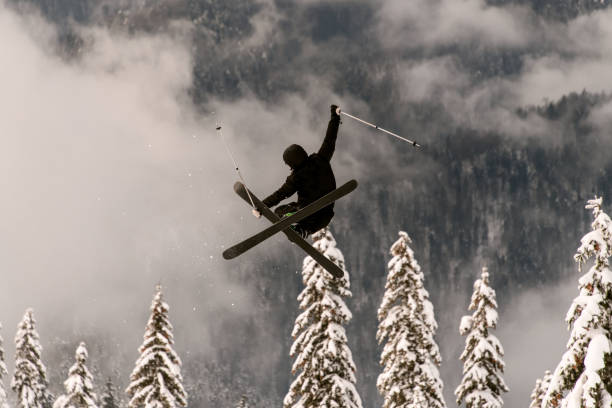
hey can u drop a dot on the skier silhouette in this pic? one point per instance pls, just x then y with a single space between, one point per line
311 178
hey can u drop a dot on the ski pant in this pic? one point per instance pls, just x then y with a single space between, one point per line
311 224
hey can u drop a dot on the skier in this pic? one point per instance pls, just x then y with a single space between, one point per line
311 177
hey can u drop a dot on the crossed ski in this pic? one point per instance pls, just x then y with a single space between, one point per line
285 223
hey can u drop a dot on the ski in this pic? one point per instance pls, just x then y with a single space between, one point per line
286 222
293 236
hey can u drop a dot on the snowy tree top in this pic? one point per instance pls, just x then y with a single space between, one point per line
407 325
595 205
324 242
159 328
405 282
78 385
485 275
27 342
27 339
482 383
402 244
598 242
81 354
322 357
583 377
317 278
158 303
156 380
27 324
484 300
29 379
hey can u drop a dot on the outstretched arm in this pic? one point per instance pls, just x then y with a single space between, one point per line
329 143
286 191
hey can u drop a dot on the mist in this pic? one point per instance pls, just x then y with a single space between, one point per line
534 334
115 179
110 186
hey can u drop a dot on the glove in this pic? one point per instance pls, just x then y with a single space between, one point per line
335 112
256 214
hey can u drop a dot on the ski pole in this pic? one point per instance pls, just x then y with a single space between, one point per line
415 144
229 152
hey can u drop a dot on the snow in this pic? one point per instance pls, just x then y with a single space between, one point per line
326 370
577 381
406 324
483 355
156 380
3 372
466 324
596 351
537 396
79 385
29 380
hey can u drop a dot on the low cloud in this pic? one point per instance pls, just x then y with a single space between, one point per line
534 333
577 60
531 329
556 59
431 79
112 179
117 182
549 78
265 24
416 24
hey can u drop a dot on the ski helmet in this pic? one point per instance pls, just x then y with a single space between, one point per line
295 156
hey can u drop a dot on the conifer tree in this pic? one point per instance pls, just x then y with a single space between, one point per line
79 385
483 363
3 372
537 396
243 402
108 399
583 378
410 356
322 356
156 381
30 378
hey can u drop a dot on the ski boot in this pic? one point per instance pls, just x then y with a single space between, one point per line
297 227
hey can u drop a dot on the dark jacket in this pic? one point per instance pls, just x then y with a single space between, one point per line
314 177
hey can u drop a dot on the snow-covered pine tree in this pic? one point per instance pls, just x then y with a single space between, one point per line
482 384
538 393
327 372
410 357
30 377
243 402
79 385
3 372
108 399
156 380
583 378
